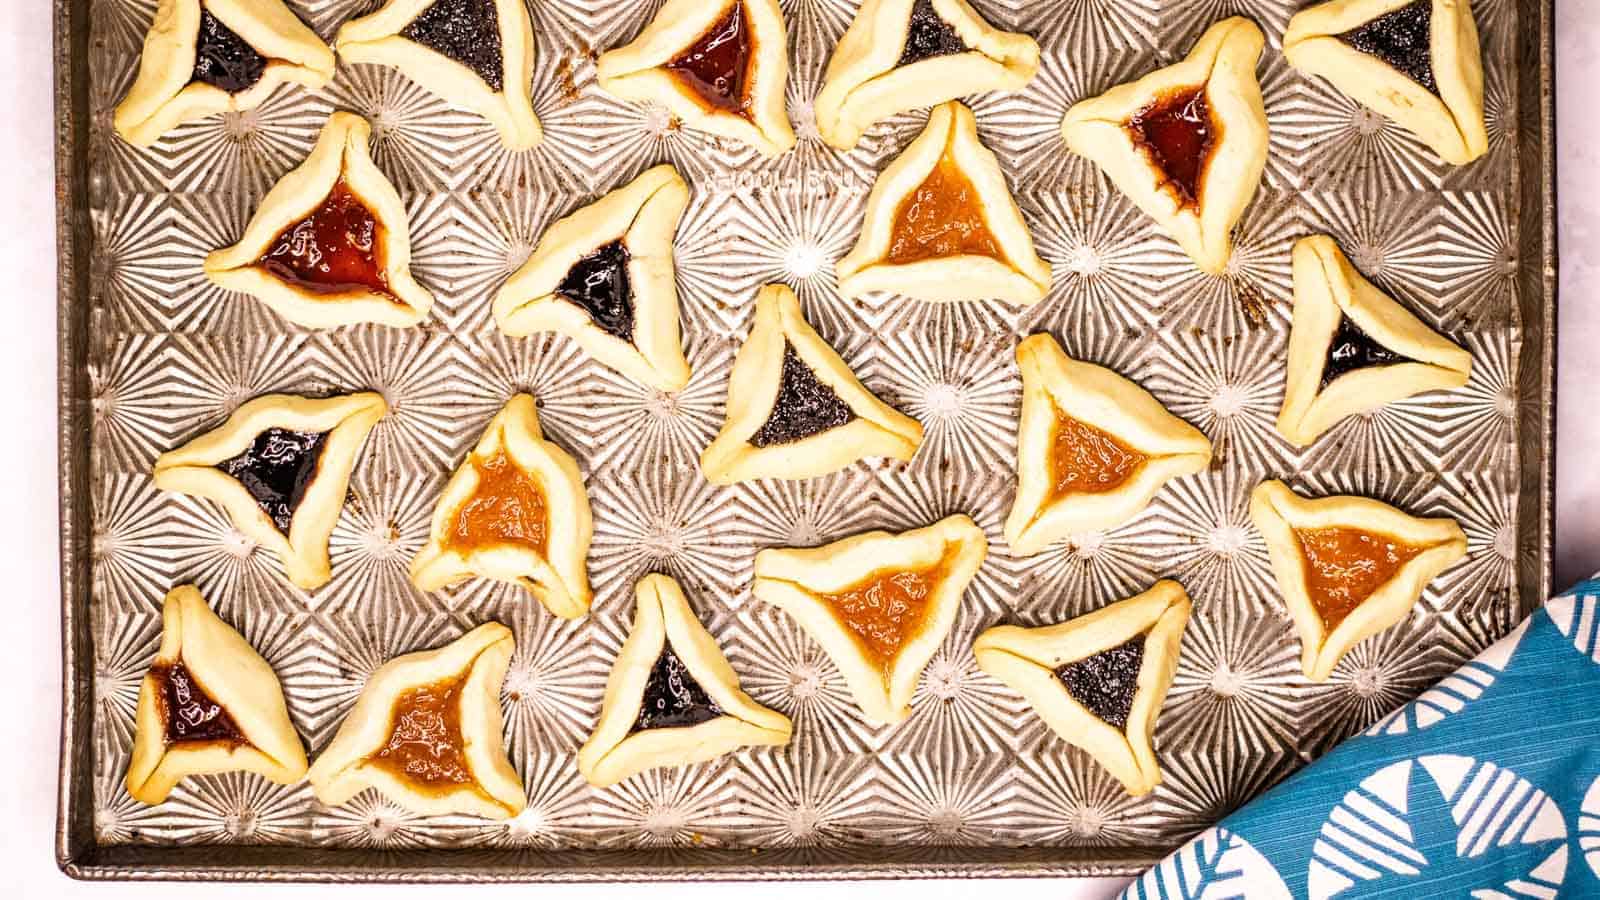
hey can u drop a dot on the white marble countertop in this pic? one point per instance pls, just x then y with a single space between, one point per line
30 658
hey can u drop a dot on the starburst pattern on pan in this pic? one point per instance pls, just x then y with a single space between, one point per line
663 519
945 800
120 819
558 801
124 646
387 515
1342 145
1182 21
221 373
1198 789
349 647
789 800
638 427
369 820
1376 677
1096 29
1064 798
781 667
559 163
1476 423
120 168
1238 682
627 137
1384 441
1089 570
1476 260
1100 244
493 235
686 806
195 303
795 235
1390 238
119 26
493 367
1484 581
1230 387
128 564
1279 90
804 513
965 390
1256 289
245 151
207 550
131 275
713 297
238 808
557 676
958 709
1207 541
423 426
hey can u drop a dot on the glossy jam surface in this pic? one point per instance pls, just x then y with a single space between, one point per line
1402 39
276 469
942 217
805 406
334 250
929 35
1345 565
507 507
467 31
1352 349
886 610
672 698
1086 460
717 65
1178 132
191 715
424 744
599 283
222 59
1106 682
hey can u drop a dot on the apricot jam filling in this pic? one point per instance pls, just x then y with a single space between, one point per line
1345 565
506 507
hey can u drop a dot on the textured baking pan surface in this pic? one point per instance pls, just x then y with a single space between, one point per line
972 783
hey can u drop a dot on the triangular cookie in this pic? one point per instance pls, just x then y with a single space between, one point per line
1098 680
672 699
1353 348
795 410
478 54
941 224
426 732
516 511
903 54
1186 143
880 604
1092 448
279 467
1348 567
718 65
209 704
1415 61
329 244
203 57
603 276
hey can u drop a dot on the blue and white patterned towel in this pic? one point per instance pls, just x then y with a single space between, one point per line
1486 786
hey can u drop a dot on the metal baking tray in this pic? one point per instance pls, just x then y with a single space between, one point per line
972 784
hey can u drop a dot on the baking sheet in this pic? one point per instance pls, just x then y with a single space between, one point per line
972 784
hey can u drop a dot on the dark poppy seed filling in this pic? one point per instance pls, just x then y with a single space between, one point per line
1352 349
190 713
1402 39
804 407
1106 682
467 31
599 283
222 59
277 469
929 36
672 698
